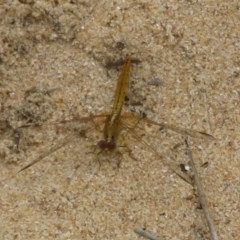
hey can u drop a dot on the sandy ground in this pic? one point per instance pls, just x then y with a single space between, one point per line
53 57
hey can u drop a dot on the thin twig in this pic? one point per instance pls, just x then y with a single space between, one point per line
144 233
201 195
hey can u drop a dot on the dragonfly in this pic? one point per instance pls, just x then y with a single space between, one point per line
116 122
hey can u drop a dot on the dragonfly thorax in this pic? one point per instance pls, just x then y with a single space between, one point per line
111 131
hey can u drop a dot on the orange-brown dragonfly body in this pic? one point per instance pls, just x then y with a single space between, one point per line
115 122
111 128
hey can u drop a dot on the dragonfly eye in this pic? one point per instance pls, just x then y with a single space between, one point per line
111 145
106 145
102 144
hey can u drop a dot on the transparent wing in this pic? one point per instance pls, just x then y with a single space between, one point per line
147 133
76 127
48 152
137 119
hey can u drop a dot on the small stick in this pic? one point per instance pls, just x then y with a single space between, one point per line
144 233
201 195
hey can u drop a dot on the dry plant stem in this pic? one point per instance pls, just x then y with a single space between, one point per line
144 233
201 195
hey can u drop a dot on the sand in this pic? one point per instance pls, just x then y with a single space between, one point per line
53 57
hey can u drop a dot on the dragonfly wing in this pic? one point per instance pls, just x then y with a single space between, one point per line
146 132
75 119
165 159
47 153
85 119
76 130
183 131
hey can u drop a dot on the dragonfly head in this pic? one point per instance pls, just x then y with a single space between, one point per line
103 144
